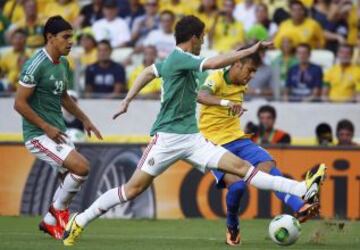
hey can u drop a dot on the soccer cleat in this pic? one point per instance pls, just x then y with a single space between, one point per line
54 231
313 182
232 236
307 211
61 216
72 232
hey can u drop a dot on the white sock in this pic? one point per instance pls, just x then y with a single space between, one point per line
48 218
71 185
106 201
265 181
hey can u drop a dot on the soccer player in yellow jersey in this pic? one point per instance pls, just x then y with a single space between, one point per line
221 97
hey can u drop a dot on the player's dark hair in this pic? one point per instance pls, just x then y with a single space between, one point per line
345 124
55 25
267 109
187 27
305 45
106 42
168 12
254 58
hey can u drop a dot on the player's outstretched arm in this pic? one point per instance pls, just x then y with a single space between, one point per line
206 97
72 107
146 76
230 58
22 106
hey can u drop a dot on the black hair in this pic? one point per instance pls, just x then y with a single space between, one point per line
106 42
168 12
324 134
267 109
19 31
255 57
55 25
297 2
305 45
187 27
345 124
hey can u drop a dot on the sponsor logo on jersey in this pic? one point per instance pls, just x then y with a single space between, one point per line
151 161
52 77
59 148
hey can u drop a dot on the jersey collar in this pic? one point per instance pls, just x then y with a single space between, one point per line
48 56
226 77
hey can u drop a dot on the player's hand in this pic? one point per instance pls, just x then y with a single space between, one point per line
123 108
236 109
89 127
262 45
55 134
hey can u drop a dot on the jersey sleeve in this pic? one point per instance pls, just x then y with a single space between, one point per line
157 68
30 74
187 61
210 84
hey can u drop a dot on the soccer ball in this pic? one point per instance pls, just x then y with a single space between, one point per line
284 230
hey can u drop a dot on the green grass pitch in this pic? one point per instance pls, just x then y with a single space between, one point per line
22 233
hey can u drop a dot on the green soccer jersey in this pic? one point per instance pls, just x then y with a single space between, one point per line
50 80
179 93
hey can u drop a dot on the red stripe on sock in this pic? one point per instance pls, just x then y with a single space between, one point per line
254 172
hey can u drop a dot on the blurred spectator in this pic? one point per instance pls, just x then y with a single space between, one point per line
143 25
342 80
163 38
4 24
152 89
104 78
281 65
207 11
88 43
262 84
75 128
304 80
136 9
301 28
281 11
12 61
179 7
324 135
32 23
356 56
345 133
68 9
13 10
89 14
264 28
266 133
226 33
332 21
245 13
111 27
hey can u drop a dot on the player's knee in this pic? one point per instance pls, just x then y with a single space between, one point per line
82 167
241 167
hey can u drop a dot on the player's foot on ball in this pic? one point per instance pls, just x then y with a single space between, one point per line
233 236
61 216
307 211
72 232
54 231
313 182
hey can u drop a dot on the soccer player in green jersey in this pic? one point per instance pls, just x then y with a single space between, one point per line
175 132
41 92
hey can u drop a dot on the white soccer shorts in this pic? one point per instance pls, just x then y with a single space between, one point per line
167 148
47 150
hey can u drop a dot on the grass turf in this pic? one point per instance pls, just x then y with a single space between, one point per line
22 233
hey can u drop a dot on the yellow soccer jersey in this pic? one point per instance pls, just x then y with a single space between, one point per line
217 123
153 87
308 32
344 83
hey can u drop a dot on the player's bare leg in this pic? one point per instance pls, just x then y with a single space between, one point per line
56 219
308 189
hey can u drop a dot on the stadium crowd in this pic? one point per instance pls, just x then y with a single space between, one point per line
316 56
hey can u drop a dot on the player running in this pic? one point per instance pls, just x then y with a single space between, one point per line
221 97
175 132
40 94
